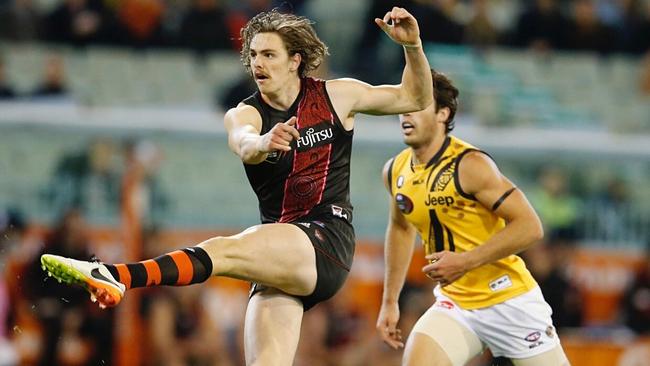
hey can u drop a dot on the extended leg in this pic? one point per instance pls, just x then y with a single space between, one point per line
275 255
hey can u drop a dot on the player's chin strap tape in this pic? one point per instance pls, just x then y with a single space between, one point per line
502 198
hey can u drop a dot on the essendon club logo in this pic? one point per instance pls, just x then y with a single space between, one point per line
338 212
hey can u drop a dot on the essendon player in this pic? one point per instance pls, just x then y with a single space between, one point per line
294 137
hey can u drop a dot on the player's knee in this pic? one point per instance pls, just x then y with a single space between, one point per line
224 253
422 349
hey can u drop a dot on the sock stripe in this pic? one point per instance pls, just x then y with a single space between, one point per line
184 265
197 276
178 268
153 272
168 269
124 275
138 274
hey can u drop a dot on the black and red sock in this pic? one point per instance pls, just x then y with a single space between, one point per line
178 268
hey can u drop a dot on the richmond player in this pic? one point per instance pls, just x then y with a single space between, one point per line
472 221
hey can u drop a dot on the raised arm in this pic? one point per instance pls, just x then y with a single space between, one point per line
479 176
244 125
414 93
398 250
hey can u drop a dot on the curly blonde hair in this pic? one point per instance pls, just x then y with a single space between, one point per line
296 32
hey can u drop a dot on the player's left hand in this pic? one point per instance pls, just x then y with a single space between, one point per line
445 267
401 27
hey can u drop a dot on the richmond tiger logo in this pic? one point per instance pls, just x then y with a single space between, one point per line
443 178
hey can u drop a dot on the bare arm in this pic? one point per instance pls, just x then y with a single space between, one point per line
398 250
244 125
414 93
480 177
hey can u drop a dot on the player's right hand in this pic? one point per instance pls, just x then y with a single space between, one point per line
387 325
279 138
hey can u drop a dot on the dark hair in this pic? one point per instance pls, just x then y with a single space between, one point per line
446 96
296 32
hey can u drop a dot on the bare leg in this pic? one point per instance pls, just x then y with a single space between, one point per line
272 328
439 339
423 350
276 255
553 357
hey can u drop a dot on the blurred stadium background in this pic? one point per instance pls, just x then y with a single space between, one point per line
111 143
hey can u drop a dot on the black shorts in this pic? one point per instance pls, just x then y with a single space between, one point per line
333 241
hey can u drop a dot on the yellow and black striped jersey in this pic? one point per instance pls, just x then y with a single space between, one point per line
431 198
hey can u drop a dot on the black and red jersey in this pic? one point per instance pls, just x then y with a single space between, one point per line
314 177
